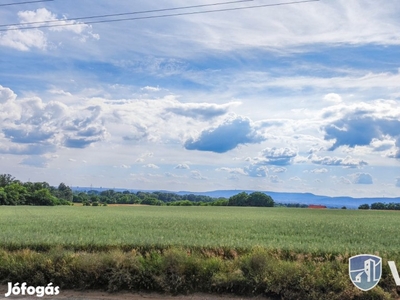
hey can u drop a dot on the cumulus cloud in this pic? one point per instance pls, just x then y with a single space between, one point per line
273 157
202 111
362 178
171 175
151 89
24 40
151 166
277 156
363 124
6 95
347 162
226 136
382 145
232 170
278 169
137 132
319 171
275 179
34 127
197 175
182 167
256 170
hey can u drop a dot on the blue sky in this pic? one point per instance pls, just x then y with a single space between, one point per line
293 98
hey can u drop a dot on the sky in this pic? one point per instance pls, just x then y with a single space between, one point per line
295 97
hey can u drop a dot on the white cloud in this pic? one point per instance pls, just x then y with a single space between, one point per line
234 131
197 175
277 156
24 40
275 179
182 167
34 124
278 169
332 97
35 37
319 171
256 170
151 89
6 95
361 178
204 111
232 170
362 124
355 24
347 162
151 166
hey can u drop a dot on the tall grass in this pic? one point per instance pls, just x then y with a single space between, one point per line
176 271
299 230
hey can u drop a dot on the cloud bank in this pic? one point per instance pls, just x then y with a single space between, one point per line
226 136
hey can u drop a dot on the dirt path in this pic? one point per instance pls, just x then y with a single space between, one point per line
98 295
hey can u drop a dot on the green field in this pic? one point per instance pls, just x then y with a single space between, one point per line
285 253
300 230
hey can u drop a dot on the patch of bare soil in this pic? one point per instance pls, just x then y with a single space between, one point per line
98 295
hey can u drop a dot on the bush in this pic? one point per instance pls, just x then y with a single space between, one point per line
181 271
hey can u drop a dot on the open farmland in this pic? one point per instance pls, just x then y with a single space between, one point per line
275 252
300 230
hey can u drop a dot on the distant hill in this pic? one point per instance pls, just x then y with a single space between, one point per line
280 197
303 198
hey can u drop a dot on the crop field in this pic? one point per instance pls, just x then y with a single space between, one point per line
299 230
283 253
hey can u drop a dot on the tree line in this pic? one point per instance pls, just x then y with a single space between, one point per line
15 192
381 206
95 198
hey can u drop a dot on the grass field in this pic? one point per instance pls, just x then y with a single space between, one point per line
276 252
300 230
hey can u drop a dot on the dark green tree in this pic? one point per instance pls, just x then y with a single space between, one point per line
64 192
44 197
364 206
6 179
238 199
378 205
260 199
16 194
3 197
